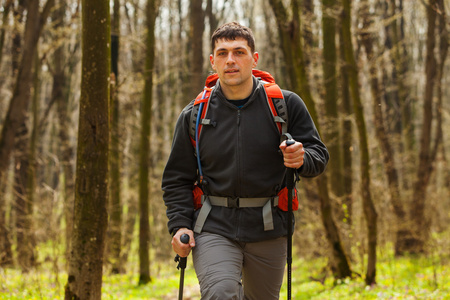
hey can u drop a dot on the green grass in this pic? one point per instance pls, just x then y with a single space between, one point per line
397 278
426 277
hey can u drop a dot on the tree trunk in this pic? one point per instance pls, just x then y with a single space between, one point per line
439 144
27 256
291 45
213 23
443 51
60 98
308 16
407 112
6 10
91 185
331 125
6 255
17 36
21 163
370 213
24 180
331 129
32 153
340 264
346 127
197 17
144 170
387 151
420 228
184 88
115 226
398 107
18 105
129 224
391 43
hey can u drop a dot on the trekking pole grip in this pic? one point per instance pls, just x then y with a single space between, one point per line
185 240
182 261
290 171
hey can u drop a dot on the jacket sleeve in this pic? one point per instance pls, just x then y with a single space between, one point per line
180 175
302 128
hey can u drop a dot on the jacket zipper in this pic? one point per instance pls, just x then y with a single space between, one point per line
238 188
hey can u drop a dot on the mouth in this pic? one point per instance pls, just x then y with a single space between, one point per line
231 71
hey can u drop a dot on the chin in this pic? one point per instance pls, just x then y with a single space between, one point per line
232 82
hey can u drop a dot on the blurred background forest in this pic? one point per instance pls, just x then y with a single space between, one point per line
373 73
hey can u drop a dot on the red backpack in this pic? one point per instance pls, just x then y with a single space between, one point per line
275 101
276 104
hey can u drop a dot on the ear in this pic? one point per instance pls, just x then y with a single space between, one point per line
211 60
255 59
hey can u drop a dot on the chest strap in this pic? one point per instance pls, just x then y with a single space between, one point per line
209 201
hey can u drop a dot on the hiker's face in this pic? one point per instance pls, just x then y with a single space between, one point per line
233 61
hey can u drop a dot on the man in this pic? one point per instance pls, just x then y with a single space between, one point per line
236 255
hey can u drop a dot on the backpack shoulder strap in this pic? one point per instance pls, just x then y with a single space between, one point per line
277 106
200 107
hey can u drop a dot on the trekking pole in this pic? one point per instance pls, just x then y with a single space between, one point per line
290 186
182 261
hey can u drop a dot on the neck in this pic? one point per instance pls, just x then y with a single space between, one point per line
237 92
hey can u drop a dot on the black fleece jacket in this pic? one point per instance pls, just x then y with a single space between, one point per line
240 157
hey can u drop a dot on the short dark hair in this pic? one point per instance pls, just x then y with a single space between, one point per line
230 32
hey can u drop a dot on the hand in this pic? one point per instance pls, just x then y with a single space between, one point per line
293 155
180 248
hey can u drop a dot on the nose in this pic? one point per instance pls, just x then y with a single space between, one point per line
230 58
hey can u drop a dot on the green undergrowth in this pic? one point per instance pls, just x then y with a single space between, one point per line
409 277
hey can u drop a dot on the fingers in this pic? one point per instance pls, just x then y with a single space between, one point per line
178 246
293 155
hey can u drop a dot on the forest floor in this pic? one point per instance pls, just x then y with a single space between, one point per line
424 277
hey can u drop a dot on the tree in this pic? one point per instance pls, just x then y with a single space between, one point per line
6 9
18 105
443 35
291 45
368 205
91 184
420 229
115 224
346 112
197 21
21 94
368 40
144 169
331 127
213 23
398 108
25 178
60 96
308 18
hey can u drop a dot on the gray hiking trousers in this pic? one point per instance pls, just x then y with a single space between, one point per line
228 270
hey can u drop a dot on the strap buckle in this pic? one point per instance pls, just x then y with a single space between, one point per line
233 202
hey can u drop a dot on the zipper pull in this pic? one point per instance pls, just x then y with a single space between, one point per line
239 117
